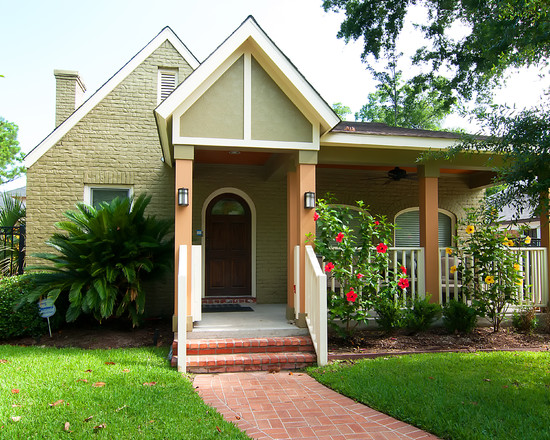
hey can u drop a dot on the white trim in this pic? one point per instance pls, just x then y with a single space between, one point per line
248 38
55 136
370 140
247 199
247 96
241 143
87 198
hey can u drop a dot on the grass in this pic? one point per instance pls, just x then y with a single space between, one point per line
43 389
466 396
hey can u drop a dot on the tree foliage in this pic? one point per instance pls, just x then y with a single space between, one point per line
341 110
499 34
10 153
522 142
102 258
410 104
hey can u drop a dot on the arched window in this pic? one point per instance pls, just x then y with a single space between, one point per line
407 231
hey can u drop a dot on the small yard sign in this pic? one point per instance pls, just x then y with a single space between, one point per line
46 308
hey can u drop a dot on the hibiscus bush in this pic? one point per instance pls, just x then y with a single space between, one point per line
354 247
490 273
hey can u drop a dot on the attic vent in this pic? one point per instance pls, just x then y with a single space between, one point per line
167 82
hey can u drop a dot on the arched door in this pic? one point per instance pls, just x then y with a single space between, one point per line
228 247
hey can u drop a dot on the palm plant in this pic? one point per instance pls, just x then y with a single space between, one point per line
102 258
12 215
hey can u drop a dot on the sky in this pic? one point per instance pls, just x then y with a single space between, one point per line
96 38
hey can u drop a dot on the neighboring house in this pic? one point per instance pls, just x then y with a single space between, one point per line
243 136
17 193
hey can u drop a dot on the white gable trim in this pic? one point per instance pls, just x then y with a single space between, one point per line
55 136
269 55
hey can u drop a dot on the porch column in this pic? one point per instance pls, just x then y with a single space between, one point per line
183 230
305 177
429 231
292 200
545 233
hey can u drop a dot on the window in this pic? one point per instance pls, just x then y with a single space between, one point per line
407 232
167 82
94 195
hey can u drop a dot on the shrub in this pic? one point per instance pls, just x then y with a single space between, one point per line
354 246
389 314
490 272
525 320
421 315
459 317
102 258
25 320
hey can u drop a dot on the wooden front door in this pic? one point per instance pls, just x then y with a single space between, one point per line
228 247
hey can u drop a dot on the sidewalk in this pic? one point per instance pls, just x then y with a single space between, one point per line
288 405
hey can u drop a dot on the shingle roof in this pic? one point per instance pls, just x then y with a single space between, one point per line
378 128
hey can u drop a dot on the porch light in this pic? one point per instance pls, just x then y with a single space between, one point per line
309 200
183 196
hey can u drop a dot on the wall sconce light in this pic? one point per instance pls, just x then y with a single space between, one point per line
183 196
309 200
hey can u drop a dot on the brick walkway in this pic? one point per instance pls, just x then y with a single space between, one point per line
295 406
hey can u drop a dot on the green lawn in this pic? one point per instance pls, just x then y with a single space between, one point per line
103 394
454 395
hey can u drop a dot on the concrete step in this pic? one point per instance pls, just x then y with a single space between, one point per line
247 354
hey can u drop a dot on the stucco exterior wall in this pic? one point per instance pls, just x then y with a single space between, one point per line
388 199
115 143
269 198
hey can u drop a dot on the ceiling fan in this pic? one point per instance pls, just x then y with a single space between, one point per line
394 175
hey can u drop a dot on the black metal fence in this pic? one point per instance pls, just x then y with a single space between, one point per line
12 250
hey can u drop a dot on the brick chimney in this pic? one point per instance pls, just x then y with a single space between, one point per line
69 90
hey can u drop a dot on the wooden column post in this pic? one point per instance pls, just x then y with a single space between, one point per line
292 241
545 232
300 223
429 230
183 231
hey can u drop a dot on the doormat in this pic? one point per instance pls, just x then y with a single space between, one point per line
214 308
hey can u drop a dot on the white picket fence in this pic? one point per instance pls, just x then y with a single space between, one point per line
412 258
532 262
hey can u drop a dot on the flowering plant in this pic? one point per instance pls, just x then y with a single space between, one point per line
491 276
354 246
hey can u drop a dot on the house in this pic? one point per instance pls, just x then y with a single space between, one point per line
232 149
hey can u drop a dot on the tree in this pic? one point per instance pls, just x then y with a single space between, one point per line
404 104
341 110
10 153
499 34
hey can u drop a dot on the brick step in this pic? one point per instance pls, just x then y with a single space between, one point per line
249 345
248 362
247 354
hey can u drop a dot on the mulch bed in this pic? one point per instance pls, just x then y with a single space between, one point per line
373 343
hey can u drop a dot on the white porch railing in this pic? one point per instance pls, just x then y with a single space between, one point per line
412 258
315 291
196 282
182 308
533 264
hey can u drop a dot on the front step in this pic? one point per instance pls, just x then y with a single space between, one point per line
247 354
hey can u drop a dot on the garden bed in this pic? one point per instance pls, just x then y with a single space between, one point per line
371 343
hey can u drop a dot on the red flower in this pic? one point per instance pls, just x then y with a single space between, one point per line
340 237
381 248
359 276
403 270
351 296
315 216
403 283
329 266
376 222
